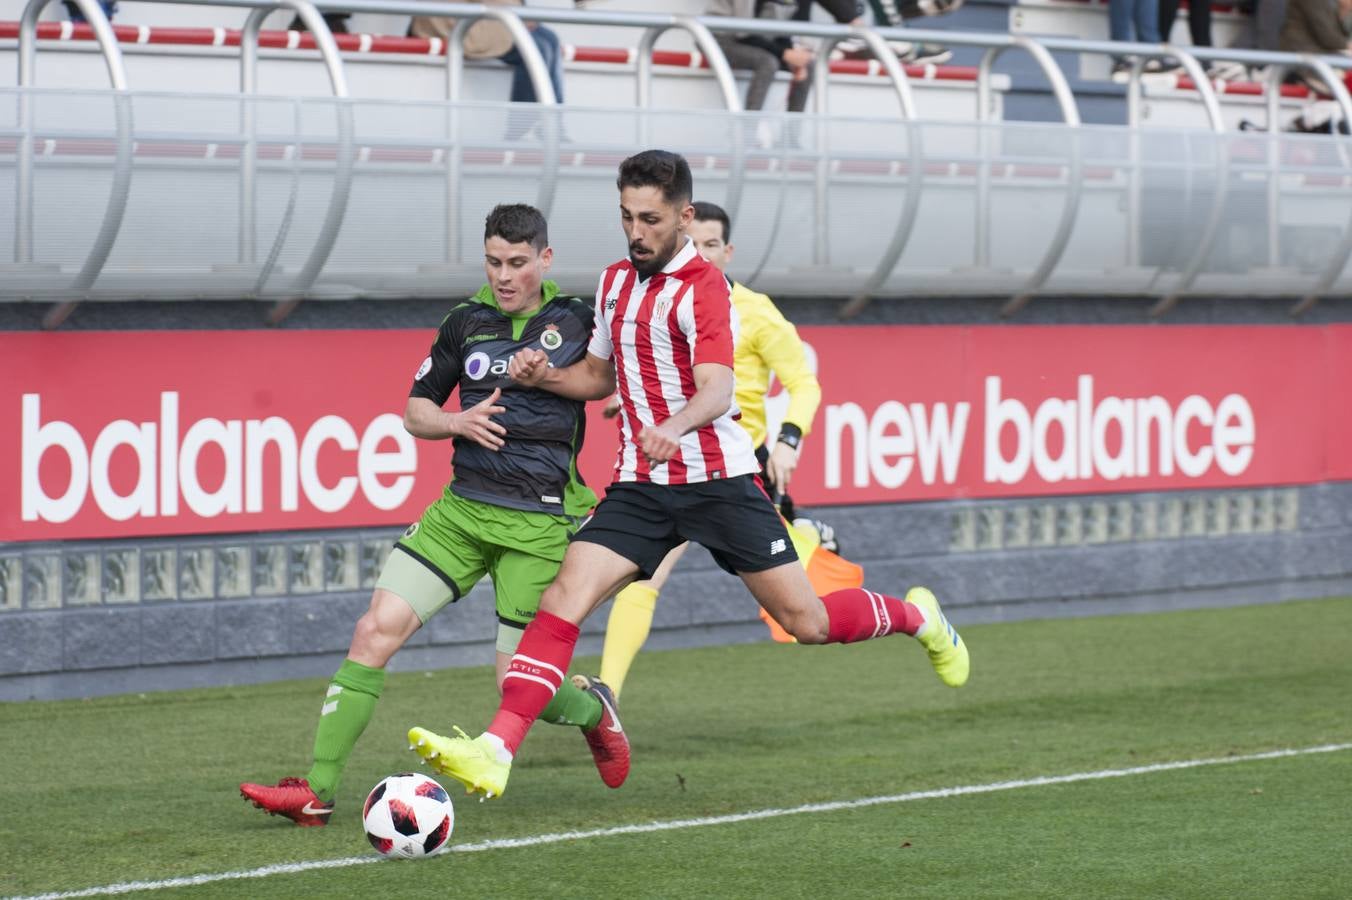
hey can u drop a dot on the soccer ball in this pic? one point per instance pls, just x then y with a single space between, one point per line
408 815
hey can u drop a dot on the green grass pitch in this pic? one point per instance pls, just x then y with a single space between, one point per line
143 787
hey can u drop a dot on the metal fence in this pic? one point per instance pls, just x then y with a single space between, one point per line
283 199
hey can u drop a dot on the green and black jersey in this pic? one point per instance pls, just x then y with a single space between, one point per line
536 469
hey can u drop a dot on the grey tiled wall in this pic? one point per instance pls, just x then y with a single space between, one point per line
81 619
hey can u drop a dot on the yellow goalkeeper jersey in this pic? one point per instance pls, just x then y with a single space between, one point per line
767 342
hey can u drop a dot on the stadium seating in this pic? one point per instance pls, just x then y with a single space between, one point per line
1000 213
181 45
397 68
383 64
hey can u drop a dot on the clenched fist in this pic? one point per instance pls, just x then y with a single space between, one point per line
528 367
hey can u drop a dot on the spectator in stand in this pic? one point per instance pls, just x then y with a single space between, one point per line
1136 20
1199 30
762 54
1319 27
78 17
489 39
886 14
1268 18
337 22
1199 20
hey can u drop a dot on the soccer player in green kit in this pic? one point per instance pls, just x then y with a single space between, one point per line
508 512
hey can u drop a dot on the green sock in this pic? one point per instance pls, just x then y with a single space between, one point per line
348 705
573 706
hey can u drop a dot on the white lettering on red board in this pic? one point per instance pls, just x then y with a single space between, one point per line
167 465
1062 439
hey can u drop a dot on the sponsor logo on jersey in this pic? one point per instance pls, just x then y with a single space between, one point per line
477 365
423 369
480 365
476 338
551 339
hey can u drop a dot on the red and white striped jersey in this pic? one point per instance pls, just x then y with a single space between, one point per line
657 331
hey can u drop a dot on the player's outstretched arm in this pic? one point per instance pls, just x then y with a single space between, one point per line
590 378
424 419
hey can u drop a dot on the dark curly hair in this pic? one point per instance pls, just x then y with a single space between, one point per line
517 223
662 169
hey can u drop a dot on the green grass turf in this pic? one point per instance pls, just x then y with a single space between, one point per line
143 787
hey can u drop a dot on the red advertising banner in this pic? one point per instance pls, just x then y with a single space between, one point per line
926 413
122 434
119 434
1338 403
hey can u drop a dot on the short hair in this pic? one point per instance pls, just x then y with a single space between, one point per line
712 212
661 169
518 223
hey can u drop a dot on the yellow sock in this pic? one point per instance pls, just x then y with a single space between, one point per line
631 615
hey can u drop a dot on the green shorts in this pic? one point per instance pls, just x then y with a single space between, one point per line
458 541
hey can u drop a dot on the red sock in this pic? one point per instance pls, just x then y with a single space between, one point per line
534 676
859 615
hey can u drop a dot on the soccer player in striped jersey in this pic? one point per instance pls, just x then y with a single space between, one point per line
766 342
508 512
685 471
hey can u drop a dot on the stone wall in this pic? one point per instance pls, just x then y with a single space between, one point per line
89 618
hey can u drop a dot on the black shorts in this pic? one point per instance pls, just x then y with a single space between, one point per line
732 517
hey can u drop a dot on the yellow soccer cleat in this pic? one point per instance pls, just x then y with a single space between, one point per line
947 652
471 761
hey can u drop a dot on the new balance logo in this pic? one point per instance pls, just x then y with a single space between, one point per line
777 547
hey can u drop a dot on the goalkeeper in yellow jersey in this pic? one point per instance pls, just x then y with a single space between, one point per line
766 342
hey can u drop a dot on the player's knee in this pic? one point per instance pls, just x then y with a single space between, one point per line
569 599
809 626
551 601
372 644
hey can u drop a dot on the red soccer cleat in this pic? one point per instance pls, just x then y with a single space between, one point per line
290 797
608 742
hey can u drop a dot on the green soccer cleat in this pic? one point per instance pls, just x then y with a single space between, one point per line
471 761
947 652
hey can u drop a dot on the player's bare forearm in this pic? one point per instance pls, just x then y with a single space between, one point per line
587 379
712 398
590 378
424 419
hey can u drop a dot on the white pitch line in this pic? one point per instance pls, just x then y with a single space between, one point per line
675 824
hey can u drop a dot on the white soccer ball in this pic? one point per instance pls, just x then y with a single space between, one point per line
408 815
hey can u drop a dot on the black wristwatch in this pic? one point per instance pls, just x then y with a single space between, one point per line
790 435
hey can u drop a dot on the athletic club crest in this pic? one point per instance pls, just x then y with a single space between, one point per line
551 339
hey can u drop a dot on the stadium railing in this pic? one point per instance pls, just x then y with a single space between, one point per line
1067 158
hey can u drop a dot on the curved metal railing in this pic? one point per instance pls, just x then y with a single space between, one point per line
702 30
333 217
727 85
121 184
